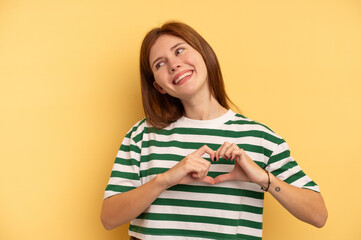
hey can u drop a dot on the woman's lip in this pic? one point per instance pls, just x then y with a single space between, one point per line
176 79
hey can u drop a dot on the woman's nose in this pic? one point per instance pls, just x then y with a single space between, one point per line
174 66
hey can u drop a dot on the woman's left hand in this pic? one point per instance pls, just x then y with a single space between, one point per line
304 204
245 169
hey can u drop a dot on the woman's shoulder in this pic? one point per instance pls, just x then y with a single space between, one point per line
137 128
239 122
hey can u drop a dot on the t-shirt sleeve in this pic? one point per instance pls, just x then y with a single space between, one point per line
284 167
125 174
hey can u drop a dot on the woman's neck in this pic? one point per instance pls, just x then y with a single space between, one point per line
205 109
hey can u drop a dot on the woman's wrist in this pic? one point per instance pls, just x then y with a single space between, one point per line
161 181
266 180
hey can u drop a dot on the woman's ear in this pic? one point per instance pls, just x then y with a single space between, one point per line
159 88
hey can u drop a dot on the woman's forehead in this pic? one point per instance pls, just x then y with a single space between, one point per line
163 44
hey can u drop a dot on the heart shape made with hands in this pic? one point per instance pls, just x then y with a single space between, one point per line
245 169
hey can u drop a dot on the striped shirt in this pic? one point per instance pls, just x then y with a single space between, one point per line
227 210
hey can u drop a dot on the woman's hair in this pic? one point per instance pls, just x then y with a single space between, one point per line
162 109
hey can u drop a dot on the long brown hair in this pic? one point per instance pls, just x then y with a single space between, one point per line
162 109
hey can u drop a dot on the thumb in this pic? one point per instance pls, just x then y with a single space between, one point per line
208 180
223 178
205 149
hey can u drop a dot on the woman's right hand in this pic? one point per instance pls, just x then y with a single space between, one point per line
122 208
193 168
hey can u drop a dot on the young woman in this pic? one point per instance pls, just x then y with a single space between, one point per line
194 169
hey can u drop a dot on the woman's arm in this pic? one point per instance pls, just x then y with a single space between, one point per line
304 204
122 208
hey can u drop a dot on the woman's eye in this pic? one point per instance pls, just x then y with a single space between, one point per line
178 51
158 65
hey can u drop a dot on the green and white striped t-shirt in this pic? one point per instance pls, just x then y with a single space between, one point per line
228 210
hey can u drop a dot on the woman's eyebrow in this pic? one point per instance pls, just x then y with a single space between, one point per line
175 46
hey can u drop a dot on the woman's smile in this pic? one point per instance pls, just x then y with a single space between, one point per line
181 77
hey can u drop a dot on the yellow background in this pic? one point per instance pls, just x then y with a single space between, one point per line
70 91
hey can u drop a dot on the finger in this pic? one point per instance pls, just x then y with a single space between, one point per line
242 157
193 159
230 150
194 175
246 162
219 150
195 171
208 180
194 166
223 178
223 149
205 149
205 172
217 155
201 162
199 169
200 173
237 152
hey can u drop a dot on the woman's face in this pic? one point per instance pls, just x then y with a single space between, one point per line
178 69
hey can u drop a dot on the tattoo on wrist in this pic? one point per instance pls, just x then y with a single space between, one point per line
277 189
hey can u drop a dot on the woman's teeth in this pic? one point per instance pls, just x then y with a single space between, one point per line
182 76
